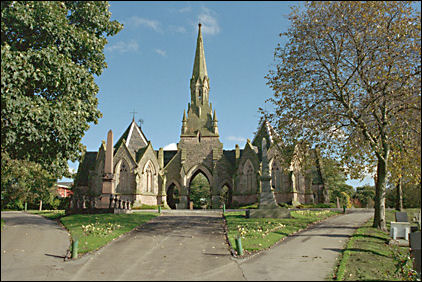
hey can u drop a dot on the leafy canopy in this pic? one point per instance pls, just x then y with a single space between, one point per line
349 80
24 181
50 52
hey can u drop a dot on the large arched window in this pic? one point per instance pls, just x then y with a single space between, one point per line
275 175
248 172
124 182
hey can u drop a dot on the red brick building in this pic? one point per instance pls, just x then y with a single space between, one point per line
64 189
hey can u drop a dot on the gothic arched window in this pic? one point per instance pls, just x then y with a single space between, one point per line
248 172
149 174
275 175
200 94
123 185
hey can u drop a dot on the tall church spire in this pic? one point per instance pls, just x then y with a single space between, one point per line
199 66
199 116
199 83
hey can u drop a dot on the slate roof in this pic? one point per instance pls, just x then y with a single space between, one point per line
231 156
140 153
127 134
87 164
168 155
67 184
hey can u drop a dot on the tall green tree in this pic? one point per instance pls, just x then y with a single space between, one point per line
335 179
348 79
50 52
24 181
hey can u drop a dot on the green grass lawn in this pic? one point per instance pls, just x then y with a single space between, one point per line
50 214
260 233
96 230
368 256
2 224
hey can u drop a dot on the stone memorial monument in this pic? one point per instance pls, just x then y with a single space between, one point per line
267 204
108 181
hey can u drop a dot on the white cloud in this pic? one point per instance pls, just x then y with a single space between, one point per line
123 47
236 138
179 29
72 170
160 52
170 147
138 21
208 21
185 9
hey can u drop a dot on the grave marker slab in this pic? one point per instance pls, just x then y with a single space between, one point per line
401 217
415 250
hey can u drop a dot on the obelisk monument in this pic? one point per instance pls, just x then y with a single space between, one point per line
108 177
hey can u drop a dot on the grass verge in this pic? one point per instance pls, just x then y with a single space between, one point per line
96 230
261 233
50 214
368 256
2 224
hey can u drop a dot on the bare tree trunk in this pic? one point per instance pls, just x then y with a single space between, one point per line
399 191
40 209
379 216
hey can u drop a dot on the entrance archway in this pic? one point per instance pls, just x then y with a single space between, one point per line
200 190
172 196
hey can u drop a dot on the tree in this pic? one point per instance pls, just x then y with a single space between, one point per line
411 197
348 80
24 181
365 195
200 191
50 52
335 179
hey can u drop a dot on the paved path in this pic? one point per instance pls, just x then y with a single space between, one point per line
310 255
179 246
32 247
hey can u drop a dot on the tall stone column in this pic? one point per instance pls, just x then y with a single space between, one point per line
108 177
267 199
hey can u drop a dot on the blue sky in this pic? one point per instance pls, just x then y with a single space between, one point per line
150 64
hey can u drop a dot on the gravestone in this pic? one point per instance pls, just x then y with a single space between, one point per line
267 204
401 217
415 250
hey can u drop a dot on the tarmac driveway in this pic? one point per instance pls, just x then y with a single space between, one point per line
173 246
32 247
170 247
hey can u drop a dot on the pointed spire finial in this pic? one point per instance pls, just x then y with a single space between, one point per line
199 65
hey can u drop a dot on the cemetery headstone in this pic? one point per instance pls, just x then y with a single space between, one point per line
401 217
415 250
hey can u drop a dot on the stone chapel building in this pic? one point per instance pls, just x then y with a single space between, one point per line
138 173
